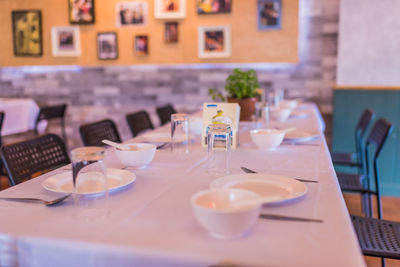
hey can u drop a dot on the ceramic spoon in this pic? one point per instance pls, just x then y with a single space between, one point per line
116 145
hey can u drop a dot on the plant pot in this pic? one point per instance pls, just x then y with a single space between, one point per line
247 107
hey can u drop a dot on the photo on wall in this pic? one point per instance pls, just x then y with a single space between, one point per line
169 9
141 45
213 6
81 11
214 41
131 14
269 14
171 32
107 45
65 41
27 33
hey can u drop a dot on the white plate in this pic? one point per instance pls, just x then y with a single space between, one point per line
62 182
298 136
299 114
162 138
273 188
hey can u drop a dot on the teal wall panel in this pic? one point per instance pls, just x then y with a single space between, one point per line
348 106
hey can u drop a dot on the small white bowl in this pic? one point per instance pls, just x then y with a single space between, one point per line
267 139
215 210
140 155
291 104
280 114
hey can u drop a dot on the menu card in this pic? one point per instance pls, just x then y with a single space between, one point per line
228 113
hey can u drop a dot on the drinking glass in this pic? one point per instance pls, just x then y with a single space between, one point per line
257 116
219 139
90 194
180 133
267 118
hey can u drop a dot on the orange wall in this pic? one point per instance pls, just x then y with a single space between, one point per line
248 44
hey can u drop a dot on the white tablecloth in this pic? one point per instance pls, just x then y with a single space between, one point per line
20 115
151 222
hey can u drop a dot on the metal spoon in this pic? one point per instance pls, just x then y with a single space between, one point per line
46 202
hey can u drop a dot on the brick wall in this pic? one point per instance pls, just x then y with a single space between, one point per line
100 92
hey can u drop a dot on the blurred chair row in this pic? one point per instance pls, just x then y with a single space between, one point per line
377 237
33 157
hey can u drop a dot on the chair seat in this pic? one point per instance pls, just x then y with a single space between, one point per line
347 159
351 182
379 238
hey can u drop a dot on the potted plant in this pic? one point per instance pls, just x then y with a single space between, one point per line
240 88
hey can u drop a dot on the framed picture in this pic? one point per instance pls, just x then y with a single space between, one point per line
141 45
107 45
65 41
81 11
269 14
169 9
171 32
214 41
131 14
27 33
213 6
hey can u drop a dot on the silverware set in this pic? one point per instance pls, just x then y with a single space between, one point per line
247 170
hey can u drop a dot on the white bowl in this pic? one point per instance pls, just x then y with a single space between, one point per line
215 210
280 114
267 139
291 104
139 156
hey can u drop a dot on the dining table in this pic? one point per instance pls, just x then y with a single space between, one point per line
151 222
20 115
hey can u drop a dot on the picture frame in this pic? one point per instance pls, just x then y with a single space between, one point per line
66 41
269 14
107 45
171 34
213 7
27 33
131 14
169 9
81 11
214 41
141 45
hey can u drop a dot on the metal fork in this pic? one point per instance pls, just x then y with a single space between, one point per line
46 202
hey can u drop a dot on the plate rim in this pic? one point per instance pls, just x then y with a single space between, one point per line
301 139
249 175
134 176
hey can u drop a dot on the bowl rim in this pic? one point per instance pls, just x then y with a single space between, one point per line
196 195
255 131
147 146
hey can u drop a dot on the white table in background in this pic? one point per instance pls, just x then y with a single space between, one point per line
151 222
20 115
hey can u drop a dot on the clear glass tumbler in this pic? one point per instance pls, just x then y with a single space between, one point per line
180 133
219 139
89 175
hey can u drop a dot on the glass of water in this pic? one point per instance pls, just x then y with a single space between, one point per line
219 139
180 133
90 189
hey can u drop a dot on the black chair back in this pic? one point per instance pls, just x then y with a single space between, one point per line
164 113
53 112
93 133
377 137
138 122
361 128
30 158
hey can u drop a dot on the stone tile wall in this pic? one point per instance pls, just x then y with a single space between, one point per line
94 93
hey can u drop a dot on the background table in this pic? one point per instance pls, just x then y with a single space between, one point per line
151 222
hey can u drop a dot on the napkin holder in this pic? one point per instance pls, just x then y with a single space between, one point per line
228 113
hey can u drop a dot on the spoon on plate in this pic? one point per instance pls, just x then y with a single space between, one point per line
116 145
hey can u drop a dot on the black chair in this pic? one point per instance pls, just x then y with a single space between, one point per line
360 183
93 133
164 113
1 126
30 158
356 159
138 122
378 238
53 112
